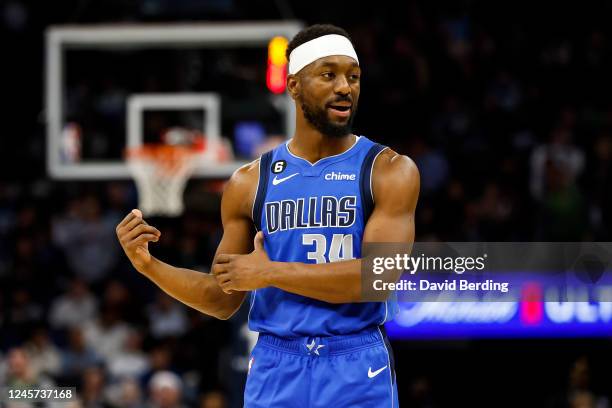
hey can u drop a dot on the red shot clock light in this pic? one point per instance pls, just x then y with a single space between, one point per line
276 74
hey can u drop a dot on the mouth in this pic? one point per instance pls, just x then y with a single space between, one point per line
341 109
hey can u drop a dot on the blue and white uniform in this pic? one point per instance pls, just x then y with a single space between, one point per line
312 353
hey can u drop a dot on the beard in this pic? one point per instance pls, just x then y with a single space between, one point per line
319 119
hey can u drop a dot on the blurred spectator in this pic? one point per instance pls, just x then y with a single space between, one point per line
20 372
117 296
160 359
93 388
432 166
495 211
131 361
74 307
189 252
559 153
444 218
504 92
199 349
600 186
451 125
88 238
166 317
165 390
15 15
43 354
107 334
126 394
77 356
24 310
111 100
563 216
582 399
25 262
579 392
213 399
555 168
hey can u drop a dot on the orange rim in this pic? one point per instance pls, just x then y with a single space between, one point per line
166 156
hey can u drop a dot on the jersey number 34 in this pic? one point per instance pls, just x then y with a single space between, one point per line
341 248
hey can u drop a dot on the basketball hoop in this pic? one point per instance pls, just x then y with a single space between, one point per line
161 172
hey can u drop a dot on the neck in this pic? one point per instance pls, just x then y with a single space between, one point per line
310 144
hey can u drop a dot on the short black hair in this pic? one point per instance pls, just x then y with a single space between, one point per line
312 32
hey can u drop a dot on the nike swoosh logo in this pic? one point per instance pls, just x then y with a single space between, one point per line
375 373
277 181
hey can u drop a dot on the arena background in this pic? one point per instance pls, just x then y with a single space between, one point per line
478 93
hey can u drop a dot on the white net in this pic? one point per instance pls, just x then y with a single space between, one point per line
161 175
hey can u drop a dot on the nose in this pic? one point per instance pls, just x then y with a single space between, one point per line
342 86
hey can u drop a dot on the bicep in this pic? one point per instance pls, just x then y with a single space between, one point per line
384 226
238 228
396 192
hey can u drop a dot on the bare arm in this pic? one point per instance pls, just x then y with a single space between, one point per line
196 289
396 188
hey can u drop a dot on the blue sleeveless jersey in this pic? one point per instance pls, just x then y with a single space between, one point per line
314 213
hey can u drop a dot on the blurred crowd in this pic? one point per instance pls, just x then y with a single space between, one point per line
506 112
73 312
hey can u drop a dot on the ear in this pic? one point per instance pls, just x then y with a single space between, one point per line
293 86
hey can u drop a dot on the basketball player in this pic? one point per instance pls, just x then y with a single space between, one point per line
314 201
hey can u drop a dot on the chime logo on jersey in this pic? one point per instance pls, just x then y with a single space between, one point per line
339 176
312 212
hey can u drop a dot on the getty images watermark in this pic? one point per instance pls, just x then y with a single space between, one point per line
487 271
411 265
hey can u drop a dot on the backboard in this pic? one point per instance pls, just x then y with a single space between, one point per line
110 87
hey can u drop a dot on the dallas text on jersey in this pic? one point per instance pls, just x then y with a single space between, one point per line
312 212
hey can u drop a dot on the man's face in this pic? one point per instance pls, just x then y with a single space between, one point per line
328 94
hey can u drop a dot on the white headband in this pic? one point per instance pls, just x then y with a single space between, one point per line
310 51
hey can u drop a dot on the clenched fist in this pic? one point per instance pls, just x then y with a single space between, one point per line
134 235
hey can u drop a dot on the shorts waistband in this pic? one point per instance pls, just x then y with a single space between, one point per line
327 345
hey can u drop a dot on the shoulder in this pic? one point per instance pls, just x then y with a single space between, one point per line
240 189
245 175
395 177
397 167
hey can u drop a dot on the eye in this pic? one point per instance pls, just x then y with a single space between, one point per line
355 77
328 75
